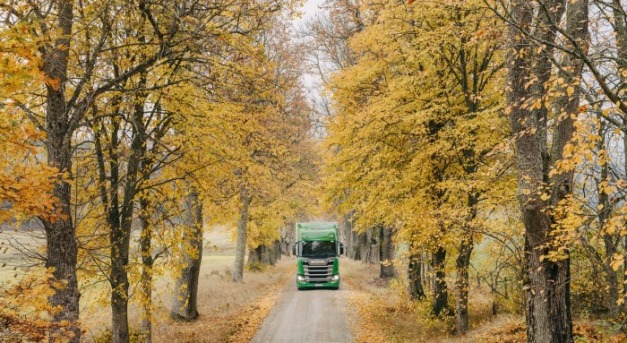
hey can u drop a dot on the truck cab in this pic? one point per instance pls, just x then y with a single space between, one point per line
317 253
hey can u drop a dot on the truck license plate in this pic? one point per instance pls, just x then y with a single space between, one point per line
318 285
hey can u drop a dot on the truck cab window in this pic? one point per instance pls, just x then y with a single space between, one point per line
319 249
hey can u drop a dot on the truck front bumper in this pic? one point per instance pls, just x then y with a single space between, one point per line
303 283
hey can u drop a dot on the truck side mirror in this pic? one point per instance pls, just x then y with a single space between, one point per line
341 248
294 249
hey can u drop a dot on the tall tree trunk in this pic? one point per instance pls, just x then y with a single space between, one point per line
240 248
356 249
347 235
374 244
119 240
440 290
364 247
414 272
609 241
121 221
620 27
185 304
146 279
462 284
463 261
61 245
548 281
388 270
277 251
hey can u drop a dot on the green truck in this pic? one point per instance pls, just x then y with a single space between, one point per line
317 250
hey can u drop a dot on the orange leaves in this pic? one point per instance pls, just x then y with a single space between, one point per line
25 310
55 83
25 180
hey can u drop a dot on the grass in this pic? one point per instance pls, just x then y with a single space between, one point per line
228 311
381 312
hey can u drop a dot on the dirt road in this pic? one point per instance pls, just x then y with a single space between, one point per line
308 316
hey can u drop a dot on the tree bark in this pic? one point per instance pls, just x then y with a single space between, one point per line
185 304
462 284
61 245
609 241
388 270
440 290
277 251
145 247
548 281
120 239
355 252
374 245
257 255
364 247
347 235
416 290
240 248
620 27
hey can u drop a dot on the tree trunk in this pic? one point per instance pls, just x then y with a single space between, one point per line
440 290
267 256
620 27
548 281
146 280
374 244
121 219
120 240
388 270
185 304
61 248
416 291
364 247
240 249
255 255
277 251
61 245
347 235
355 252
609 241
461 284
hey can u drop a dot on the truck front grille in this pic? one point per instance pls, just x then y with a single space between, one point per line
318 273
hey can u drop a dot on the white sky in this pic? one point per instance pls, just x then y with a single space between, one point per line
309 9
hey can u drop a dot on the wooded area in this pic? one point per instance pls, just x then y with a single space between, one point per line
461 144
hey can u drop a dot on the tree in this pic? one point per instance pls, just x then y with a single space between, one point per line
548 284
415 126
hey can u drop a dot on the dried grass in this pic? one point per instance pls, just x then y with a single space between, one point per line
229 312
380 312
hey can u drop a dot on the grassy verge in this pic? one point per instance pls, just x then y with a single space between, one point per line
381 312
229 312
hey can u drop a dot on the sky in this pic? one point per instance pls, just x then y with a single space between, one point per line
309 9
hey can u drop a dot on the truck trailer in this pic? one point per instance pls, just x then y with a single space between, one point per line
317 251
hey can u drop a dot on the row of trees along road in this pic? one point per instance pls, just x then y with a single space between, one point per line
487 123
156 117
461 139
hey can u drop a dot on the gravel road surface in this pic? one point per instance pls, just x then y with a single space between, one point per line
308 316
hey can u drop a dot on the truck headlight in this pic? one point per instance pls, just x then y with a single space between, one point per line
335 278
300 278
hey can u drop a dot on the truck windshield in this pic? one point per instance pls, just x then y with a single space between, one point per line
319 249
